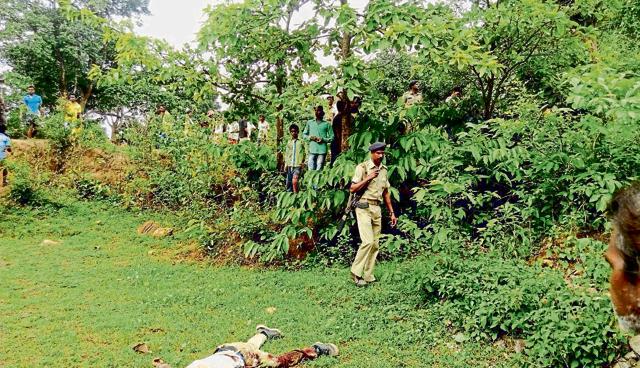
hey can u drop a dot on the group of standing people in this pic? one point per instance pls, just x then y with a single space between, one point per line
234 132
71 109
317 135
370 183
322 137
241 130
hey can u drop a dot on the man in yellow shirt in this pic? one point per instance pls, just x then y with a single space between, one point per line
72 110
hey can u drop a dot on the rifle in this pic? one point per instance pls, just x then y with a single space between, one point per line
351 203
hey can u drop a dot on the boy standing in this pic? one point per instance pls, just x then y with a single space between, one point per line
293 159
263 130
72 111
250 128
34 107
5 146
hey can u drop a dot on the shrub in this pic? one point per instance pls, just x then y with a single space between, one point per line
24 186
91 189
564 325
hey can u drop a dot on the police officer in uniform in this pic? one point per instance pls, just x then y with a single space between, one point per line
371 178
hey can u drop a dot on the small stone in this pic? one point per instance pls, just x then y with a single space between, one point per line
154 229
141 348
635 344
159 363
459 337
519 345
49 242
500 344
270 310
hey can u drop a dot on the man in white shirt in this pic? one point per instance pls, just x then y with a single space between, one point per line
263 130
248 354
249 129
332 109
233 132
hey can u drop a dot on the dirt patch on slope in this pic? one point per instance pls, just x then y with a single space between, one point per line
107 167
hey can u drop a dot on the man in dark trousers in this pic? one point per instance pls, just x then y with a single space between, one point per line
336 125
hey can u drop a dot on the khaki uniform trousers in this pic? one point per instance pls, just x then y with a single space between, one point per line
369 227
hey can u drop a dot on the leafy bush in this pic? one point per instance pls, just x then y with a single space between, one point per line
91 189
24 187
565 325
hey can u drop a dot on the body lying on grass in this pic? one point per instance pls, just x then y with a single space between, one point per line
248 354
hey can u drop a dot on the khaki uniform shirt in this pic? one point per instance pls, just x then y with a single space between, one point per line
376 186
410 99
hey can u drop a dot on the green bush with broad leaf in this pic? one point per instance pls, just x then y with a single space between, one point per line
564 322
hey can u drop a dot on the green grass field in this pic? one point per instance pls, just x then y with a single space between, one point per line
86 301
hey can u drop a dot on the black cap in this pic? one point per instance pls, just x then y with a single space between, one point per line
377 146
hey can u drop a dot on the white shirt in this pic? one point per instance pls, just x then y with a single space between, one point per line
263 126
222 359
250 128
233 130
333 111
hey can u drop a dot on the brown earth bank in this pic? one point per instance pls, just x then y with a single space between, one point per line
108 167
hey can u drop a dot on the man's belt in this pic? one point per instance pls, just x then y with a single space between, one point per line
236 353
365 203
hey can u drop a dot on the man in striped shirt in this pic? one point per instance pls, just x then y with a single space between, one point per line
293 159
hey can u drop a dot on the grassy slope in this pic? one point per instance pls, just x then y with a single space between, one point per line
86 301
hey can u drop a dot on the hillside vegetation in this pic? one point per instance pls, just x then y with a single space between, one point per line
502 186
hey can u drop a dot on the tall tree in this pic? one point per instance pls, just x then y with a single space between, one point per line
258 52
41 42
493 42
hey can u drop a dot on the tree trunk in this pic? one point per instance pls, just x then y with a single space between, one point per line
62 87
116 125
279 139
346 124
488 99
347 119
279 122
86 96
345 42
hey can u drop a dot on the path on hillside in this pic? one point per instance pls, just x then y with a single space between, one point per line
86 300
